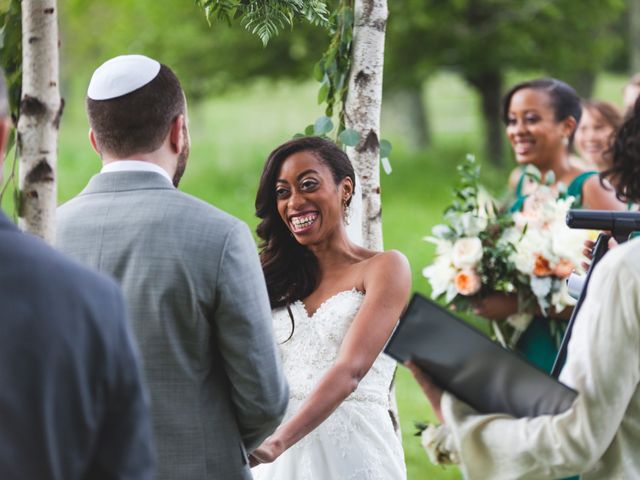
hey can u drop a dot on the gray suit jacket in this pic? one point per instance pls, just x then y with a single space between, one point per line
72 404
199 308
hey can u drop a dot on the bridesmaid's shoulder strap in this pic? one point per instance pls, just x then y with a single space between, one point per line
575 187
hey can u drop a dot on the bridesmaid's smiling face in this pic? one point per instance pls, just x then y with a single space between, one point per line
309 201
533 131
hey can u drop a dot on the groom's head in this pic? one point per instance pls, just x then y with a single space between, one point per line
136 104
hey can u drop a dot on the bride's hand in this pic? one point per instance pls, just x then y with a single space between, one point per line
496 306
270 449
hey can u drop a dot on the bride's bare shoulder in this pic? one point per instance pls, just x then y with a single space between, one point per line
388 266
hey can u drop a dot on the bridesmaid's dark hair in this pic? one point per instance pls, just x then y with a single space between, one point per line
565 101
624 173
290 269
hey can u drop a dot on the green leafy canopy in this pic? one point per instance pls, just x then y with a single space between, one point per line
266 18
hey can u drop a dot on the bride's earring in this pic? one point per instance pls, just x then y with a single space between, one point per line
345 212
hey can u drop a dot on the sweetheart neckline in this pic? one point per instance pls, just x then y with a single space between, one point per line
327 300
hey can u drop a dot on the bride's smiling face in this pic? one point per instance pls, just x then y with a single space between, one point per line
308 200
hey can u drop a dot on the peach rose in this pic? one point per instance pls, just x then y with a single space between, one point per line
563 269
467 282
541 267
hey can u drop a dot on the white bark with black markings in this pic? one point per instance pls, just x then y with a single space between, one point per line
362 111
40 111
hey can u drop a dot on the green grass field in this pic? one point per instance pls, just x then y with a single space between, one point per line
232 136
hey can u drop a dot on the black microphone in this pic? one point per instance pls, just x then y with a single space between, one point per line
620 224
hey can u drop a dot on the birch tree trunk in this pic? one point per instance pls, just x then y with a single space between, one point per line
362 111
40 111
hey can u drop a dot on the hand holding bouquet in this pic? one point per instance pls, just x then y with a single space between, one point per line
483 249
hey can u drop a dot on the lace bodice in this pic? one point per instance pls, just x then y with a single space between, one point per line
357 441
315 344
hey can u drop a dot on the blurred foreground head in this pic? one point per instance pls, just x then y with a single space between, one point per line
624 173
630 93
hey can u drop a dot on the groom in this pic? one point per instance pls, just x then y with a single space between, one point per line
190 274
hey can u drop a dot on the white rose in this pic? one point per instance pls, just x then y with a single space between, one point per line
568 243
527 246
472 224
441 231
467 252
440 275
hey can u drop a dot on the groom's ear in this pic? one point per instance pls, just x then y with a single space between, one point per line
94 142
177 136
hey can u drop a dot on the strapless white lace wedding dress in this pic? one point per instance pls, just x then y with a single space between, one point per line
357 442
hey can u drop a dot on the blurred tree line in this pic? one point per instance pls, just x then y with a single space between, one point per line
482 40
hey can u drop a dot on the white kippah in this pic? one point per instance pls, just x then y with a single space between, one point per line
122 75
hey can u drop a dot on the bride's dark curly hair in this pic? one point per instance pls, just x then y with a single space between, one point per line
624 173
290 269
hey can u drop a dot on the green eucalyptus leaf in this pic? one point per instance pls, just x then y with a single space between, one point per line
322 126
323 93
385 148
550 178
299 135
347 18
349 137
333 66
329 110
309 130
318 71
386 165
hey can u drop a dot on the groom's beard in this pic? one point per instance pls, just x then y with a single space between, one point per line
182 160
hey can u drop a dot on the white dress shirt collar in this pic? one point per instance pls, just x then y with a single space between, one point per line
134 166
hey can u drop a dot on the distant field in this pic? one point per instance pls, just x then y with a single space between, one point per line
232 136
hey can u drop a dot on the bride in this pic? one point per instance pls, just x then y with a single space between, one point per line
335 306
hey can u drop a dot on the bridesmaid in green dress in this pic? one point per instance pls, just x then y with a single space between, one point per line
541 117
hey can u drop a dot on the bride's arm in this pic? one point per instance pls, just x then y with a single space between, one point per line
387 284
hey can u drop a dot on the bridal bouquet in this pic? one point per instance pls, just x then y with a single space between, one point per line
482 248
475 247
472 251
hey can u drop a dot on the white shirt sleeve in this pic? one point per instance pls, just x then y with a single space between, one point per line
603 365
